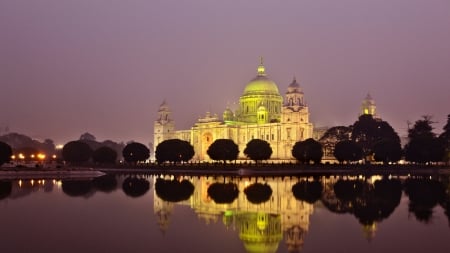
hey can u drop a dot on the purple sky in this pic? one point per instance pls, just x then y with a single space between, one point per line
104 67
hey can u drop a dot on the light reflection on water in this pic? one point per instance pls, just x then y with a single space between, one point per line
224 214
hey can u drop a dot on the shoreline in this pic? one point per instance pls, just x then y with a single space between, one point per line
233 170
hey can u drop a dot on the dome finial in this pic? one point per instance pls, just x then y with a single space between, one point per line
261 69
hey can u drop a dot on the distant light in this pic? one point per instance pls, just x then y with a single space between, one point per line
59 146
21 156
41 156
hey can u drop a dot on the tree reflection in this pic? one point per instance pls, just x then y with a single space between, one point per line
105 183
369 203
5 189
76 188
135 187
258 193
423 195
377 202
173 190
308 191
223 193
348 190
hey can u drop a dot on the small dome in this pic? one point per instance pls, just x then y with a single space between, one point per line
228 114
164 106
369 99
294 87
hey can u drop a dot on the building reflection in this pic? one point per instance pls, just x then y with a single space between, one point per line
282 215
261 227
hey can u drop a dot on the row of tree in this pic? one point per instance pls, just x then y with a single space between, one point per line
374 139
367 139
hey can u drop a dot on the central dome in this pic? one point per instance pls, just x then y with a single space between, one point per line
261 84
261 91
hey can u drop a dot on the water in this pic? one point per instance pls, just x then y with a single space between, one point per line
146 214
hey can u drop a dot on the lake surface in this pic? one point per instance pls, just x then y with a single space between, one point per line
241 214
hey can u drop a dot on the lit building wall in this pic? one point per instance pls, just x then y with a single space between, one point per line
261 115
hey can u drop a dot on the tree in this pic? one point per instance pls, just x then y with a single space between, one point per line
423 145
348 151
258 150
307 150
224 150
387 151
135 187
104 155
223 193
135 152
5 153
334 135
174 150
445 139
367 131
258 193
173 190
309 191
77 188
76 152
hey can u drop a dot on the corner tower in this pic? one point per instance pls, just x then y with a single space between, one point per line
368 106
260 91
164 126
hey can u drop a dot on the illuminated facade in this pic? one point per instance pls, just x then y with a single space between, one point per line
262 113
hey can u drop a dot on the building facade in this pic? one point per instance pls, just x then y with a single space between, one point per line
262 113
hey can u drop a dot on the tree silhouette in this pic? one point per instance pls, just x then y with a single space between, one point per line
258 150
223 150
334 135
5 153
367 131
445 139
387 151
77 188
377 202
424 195
307 150
348 190
104 155
135 152
174 150
105 183
173 190
308 191
258 193
423 145
223 193
348 151
135 187
76 152
5 189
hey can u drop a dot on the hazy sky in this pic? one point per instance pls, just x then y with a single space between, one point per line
104 67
